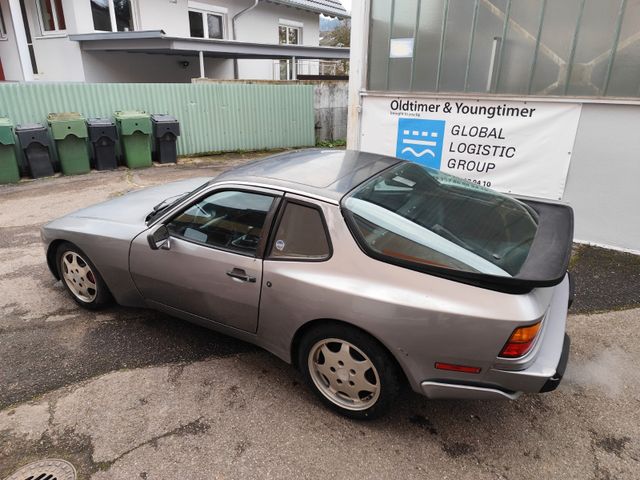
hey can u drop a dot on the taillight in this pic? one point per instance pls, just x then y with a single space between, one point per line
521 341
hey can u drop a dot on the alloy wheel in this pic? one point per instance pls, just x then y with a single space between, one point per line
344 374
78 276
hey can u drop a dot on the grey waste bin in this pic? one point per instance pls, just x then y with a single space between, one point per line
166 130
34 143
103 135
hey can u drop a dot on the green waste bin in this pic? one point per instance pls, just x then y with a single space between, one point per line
135 134
9 172
69 131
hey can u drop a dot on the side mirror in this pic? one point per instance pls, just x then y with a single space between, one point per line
158 237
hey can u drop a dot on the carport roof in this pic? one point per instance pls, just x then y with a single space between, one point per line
156 41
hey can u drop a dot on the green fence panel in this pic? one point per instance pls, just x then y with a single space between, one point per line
213 117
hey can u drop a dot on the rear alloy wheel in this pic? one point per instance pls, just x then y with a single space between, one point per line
350 371
81 278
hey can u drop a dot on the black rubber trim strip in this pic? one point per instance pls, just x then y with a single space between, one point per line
555 380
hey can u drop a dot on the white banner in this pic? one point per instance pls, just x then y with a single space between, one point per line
515 147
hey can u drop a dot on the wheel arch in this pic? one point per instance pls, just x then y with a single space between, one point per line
51 256
304 328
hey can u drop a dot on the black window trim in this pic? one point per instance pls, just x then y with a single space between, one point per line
268 221
276 224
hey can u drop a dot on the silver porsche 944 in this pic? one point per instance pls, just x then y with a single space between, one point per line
366 272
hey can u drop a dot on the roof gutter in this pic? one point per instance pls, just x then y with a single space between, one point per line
233 32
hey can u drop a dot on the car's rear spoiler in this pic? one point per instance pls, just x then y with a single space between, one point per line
550 252
546 264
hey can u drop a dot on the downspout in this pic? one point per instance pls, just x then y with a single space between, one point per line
233 32
22 41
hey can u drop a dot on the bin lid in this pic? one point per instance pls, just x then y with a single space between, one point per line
163 118
30 127
64 117
6 132
67 123
100 122
130 114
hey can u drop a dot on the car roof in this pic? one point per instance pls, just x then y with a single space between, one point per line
327 174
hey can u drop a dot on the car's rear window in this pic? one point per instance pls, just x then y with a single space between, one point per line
423 217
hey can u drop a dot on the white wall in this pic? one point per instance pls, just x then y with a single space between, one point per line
125 67
165 15
58 59
9 48
603 185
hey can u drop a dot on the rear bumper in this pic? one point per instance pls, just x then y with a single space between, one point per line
542 374
443 390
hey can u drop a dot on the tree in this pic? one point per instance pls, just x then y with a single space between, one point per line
339 37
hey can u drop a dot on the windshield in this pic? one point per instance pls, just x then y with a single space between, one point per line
421 216
170 202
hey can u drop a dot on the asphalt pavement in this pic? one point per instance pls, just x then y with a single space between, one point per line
134 394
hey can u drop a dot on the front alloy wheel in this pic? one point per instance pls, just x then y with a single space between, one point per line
349 370
78 277
81 278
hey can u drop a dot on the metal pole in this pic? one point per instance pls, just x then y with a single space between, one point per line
471 40
415 44
505 28
443 32
294 68
492 63
574 45
614 47
393 9
201 57
537 47
112 16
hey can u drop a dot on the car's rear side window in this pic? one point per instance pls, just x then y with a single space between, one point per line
424 218
301 235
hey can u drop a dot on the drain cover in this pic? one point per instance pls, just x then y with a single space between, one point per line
49 469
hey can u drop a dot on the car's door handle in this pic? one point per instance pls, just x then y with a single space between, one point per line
240 274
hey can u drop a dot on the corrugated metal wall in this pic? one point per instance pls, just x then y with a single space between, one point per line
213 117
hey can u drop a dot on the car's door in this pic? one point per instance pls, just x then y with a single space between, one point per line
212 265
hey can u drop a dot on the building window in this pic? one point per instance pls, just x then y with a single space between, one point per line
51 16
112 15
203 24
288 35
583 48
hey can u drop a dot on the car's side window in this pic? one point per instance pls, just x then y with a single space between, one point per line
301 235
232 220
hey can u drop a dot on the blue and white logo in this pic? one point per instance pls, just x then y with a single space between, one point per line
420 141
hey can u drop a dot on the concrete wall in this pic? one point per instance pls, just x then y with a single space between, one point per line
330 101
603 185
9 48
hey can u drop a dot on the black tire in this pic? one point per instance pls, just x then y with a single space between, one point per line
388 373
102 297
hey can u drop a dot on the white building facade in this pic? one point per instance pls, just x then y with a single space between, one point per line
162 40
